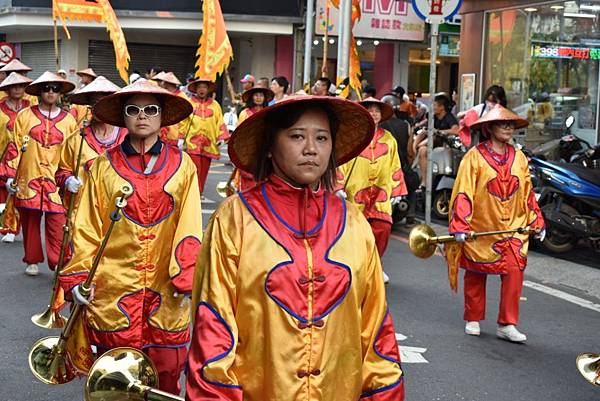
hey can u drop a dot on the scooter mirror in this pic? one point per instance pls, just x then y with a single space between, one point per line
570 121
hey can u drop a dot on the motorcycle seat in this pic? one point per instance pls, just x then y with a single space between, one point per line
585 173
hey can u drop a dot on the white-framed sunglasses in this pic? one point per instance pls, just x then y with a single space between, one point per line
151 110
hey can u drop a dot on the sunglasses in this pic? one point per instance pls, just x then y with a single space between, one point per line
506 125
51 88
151 110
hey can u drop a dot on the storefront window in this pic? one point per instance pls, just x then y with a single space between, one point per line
547 59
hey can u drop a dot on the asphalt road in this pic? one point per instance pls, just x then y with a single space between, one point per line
427 317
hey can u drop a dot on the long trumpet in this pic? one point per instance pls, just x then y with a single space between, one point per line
422 240
49 360
225 188
588 365
124 374
15 183
51 318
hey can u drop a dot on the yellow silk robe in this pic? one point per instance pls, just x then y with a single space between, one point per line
173 133
82 114
279 316
244 114
150 256
36 176
373 178
492 192
204 128
33 100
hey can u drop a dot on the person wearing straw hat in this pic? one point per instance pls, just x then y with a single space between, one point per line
36 194
17 66
374 181
82 112
493 191
86 76
98 137
205 131
14 85
173 134
147 267
288 294
255 99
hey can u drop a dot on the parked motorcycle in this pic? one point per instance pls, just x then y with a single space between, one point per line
566 148
569 197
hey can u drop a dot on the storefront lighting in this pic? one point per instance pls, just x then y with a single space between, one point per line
375 42
579 15
531 9
556 8
589 7
331 41
315 42
359 42
323 38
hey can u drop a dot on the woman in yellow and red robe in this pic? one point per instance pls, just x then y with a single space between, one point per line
205 131
37 192
147 267
174 134
374 181
14 85
493 191
288 294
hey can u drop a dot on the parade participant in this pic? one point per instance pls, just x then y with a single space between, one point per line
3 75
82 112
288 293
18 67
204 132
494 95
255 99
279 86
374 181
98 137
14 86
148 264
492 192
37 193
173 134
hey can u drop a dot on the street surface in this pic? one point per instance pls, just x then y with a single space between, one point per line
561 320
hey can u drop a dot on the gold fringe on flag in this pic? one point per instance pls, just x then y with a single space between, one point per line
214 50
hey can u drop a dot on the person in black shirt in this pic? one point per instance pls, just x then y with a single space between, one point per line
444 123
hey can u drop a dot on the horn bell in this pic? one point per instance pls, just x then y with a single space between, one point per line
588 365
419 241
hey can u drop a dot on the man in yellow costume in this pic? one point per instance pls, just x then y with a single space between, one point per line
205 131
14 85
36 193
493 192
374 181
173 134
18 67
288 294
147 267
82 112
98 137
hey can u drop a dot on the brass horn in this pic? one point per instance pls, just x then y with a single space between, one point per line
51 318
124 374
49 360
225 188
422 240
15 183
588 365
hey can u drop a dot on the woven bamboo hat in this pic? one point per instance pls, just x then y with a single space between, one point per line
15 66
355 131
173 108
247 95
100 85
14 79
35 88
194 84
387 111
498 114
167 77
87 71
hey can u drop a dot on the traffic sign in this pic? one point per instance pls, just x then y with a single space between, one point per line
436 11
7 52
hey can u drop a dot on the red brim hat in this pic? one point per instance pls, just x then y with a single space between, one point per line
35 88
498 114
110 109
100 85
247 95
194 84
387 111
356 129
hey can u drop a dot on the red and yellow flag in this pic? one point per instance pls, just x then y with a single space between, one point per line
214 51
100 11
354 72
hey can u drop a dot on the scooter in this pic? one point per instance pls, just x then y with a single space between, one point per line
569 197
566 148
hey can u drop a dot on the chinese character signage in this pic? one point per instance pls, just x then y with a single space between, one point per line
381 19
566 52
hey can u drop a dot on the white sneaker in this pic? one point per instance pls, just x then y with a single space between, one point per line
8 238
32 270
386 278
510 333
472 328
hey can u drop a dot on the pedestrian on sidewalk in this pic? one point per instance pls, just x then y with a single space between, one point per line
36 193
139 297
289 296
374 180
493 191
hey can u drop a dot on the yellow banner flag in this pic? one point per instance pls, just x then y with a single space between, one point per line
79 349
214 51
354 71
118 38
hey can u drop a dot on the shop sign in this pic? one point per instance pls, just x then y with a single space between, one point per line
566 52
380 19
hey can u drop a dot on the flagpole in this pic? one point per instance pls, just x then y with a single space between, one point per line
310 19
325 69
56 46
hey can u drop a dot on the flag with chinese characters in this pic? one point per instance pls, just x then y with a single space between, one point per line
99 11
214 50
